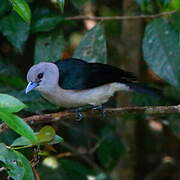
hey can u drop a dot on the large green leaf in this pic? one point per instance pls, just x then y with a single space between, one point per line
23 141
22 8
28 173
11 162
161 50
110 149
92 47
49 47
15 30
44 19
18 167
18 125
8 136
10 103
34 101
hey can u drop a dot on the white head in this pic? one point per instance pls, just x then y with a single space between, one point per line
42 77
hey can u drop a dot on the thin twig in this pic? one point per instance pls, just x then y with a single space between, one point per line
106 18
59 116
36 173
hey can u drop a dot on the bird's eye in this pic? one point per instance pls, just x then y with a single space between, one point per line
40 75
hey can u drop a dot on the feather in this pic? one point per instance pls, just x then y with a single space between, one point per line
76 74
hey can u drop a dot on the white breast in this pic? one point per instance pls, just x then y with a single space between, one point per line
75 98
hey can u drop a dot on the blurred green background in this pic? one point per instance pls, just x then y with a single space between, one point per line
129 147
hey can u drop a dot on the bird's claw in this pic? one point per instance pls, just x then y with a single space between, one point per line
101 109
79 116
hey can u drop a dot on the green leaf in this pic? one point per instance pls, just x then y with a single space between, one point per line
11 163
174 5
46 134
22 8
49 47
92 47
61 5
56 140
23 141
28 173
8 136
34 101
161 50
17 165
18 125
10 103
15 30
44 19
3 148
110 149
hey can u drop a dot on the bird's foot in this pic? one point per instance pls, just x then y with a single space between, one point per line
101 109
78 114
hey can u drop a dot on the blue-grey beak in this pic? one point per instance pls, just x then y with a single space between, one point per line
31 86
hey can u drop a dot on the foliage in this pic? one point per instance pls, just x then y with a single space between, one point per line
22 8
16 164
36 31
161 50
17 33
95 49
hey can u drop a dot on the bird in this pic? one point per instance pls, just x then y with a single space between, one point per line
73 83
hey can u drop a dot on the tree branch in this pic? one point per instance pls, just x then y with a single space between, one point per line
65 115
106 18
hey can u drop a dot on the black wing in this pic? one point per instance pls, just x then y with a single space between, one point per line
78 75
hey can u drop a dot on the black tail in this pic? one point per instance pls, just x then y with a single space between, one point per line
140 88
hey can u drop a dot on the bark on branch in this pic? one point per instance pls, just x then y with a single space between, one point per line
106 18
54 117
